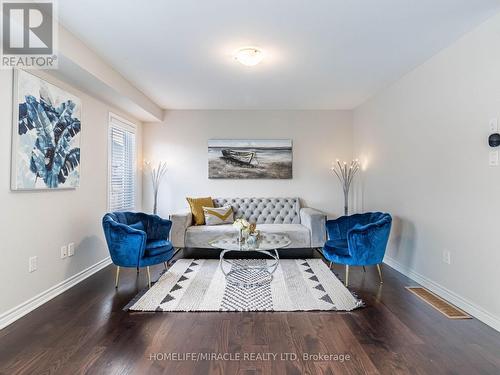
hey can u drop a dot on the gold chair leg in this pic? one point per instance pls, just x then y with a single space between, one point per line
364 269
149 277
331 264
138 270
346 275
165 265
117 276
380 273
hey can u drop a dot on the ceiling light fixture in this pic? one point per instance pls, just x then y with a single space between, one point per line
249 56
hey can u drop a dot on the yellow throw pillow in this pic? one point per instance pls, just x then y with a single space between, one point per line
218 215
197 205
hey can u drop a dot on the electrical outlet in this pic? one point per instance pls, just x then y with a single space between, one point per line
33 264
447 256
64 251
71 249
493 162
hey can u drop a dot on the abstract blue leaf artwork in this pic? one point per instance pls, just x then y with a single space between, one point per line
46 135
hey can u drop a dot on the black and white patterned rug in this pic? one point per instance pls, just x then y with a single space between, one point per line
200 285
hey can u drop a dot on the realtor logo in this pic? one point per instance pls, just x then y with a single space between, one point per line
28 35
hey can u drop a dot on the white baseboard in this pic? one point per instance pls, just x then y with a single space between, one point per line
24 308
470 307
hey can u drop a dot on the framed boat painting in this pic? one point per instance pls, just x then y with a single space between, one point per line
250 159
45 135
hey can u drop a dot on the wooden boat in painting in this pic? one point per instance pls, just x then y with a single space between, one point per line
240 157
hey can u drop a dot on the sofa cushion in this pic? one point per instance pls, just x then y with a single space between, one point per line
299 235
156 247
201 236
263 210
339 247
154 244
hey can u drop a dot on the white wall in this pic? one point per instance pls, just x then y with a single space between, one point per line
82 66
39 223
319 137
424 142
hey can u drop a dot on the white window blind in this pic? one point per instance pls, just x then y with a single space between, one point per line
122 166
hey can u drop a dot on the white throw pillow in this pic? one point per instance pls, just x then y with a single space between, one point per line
218 215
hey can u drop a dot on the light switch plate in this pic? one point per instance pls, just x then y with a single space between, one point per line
493 158
32 266
71 249
494 125
64 252
447 256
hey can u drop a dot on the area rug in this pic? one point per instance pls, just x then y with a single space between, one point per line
200 285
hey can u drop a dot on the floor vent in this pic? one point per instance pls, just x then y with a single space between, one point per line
438 303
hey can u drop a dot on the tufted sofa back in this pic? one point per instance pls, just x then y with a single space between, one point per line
264 210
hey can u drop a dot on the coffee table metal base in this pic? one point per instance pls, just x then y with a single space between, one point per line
235 268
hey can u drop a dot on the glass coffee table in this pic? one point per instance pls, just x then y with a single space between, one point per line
250 271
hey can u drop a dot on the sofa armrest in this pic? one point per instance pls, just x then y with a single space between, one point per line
314 220
180 222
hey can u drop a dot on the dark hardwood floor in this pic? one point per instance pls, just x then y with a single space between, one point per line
86 331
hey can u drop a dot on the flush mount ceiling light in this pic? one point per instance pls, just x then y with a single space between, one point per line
249 56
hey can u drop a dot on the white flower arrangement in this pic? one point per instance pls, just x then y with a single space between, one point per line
246 231
241 224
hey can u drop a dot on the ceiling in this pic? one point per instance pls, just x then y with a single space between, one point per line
321 54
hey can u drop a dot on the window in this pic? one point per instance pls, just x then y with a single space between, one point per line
122 164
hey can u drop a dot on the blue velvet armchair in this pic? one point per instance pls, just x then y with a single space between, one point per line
358 240
137 239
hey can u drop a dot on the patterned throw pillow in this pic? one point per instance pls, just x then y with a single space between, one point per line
218 215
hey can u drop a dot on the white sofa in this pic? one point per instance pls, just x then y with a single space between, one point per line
304 226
